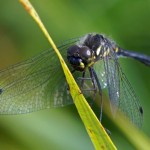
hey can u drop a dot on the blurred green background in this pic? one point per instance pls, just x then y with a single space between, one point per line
127 22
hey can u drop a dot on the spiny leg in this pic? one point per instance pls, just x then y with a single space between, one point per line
101 100
83 78
93 73
93 84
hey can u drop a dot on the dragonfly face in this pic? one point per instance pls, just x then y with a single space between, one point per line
80 57
87 52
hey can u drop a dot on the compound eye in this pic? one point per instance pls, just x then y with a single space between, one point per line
85 52
73 51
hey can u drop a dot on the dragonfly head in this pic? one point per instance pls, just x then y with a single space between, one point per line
79 57
87 52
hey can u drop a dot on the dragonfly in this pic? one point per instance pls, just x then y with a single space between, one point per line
39 82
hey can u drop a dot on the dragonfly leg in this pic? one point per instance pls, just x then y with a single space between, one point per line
83 78
94 89
93 74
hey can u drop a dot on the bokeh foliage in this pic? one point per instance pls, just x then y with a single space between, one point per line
127 22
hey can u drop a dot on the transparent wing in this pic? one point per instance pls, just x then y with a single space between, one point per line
112 78
34 84
120 91
100 71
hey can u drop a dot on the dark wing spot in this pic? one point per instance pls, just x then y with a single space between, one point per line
141 110
1 91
